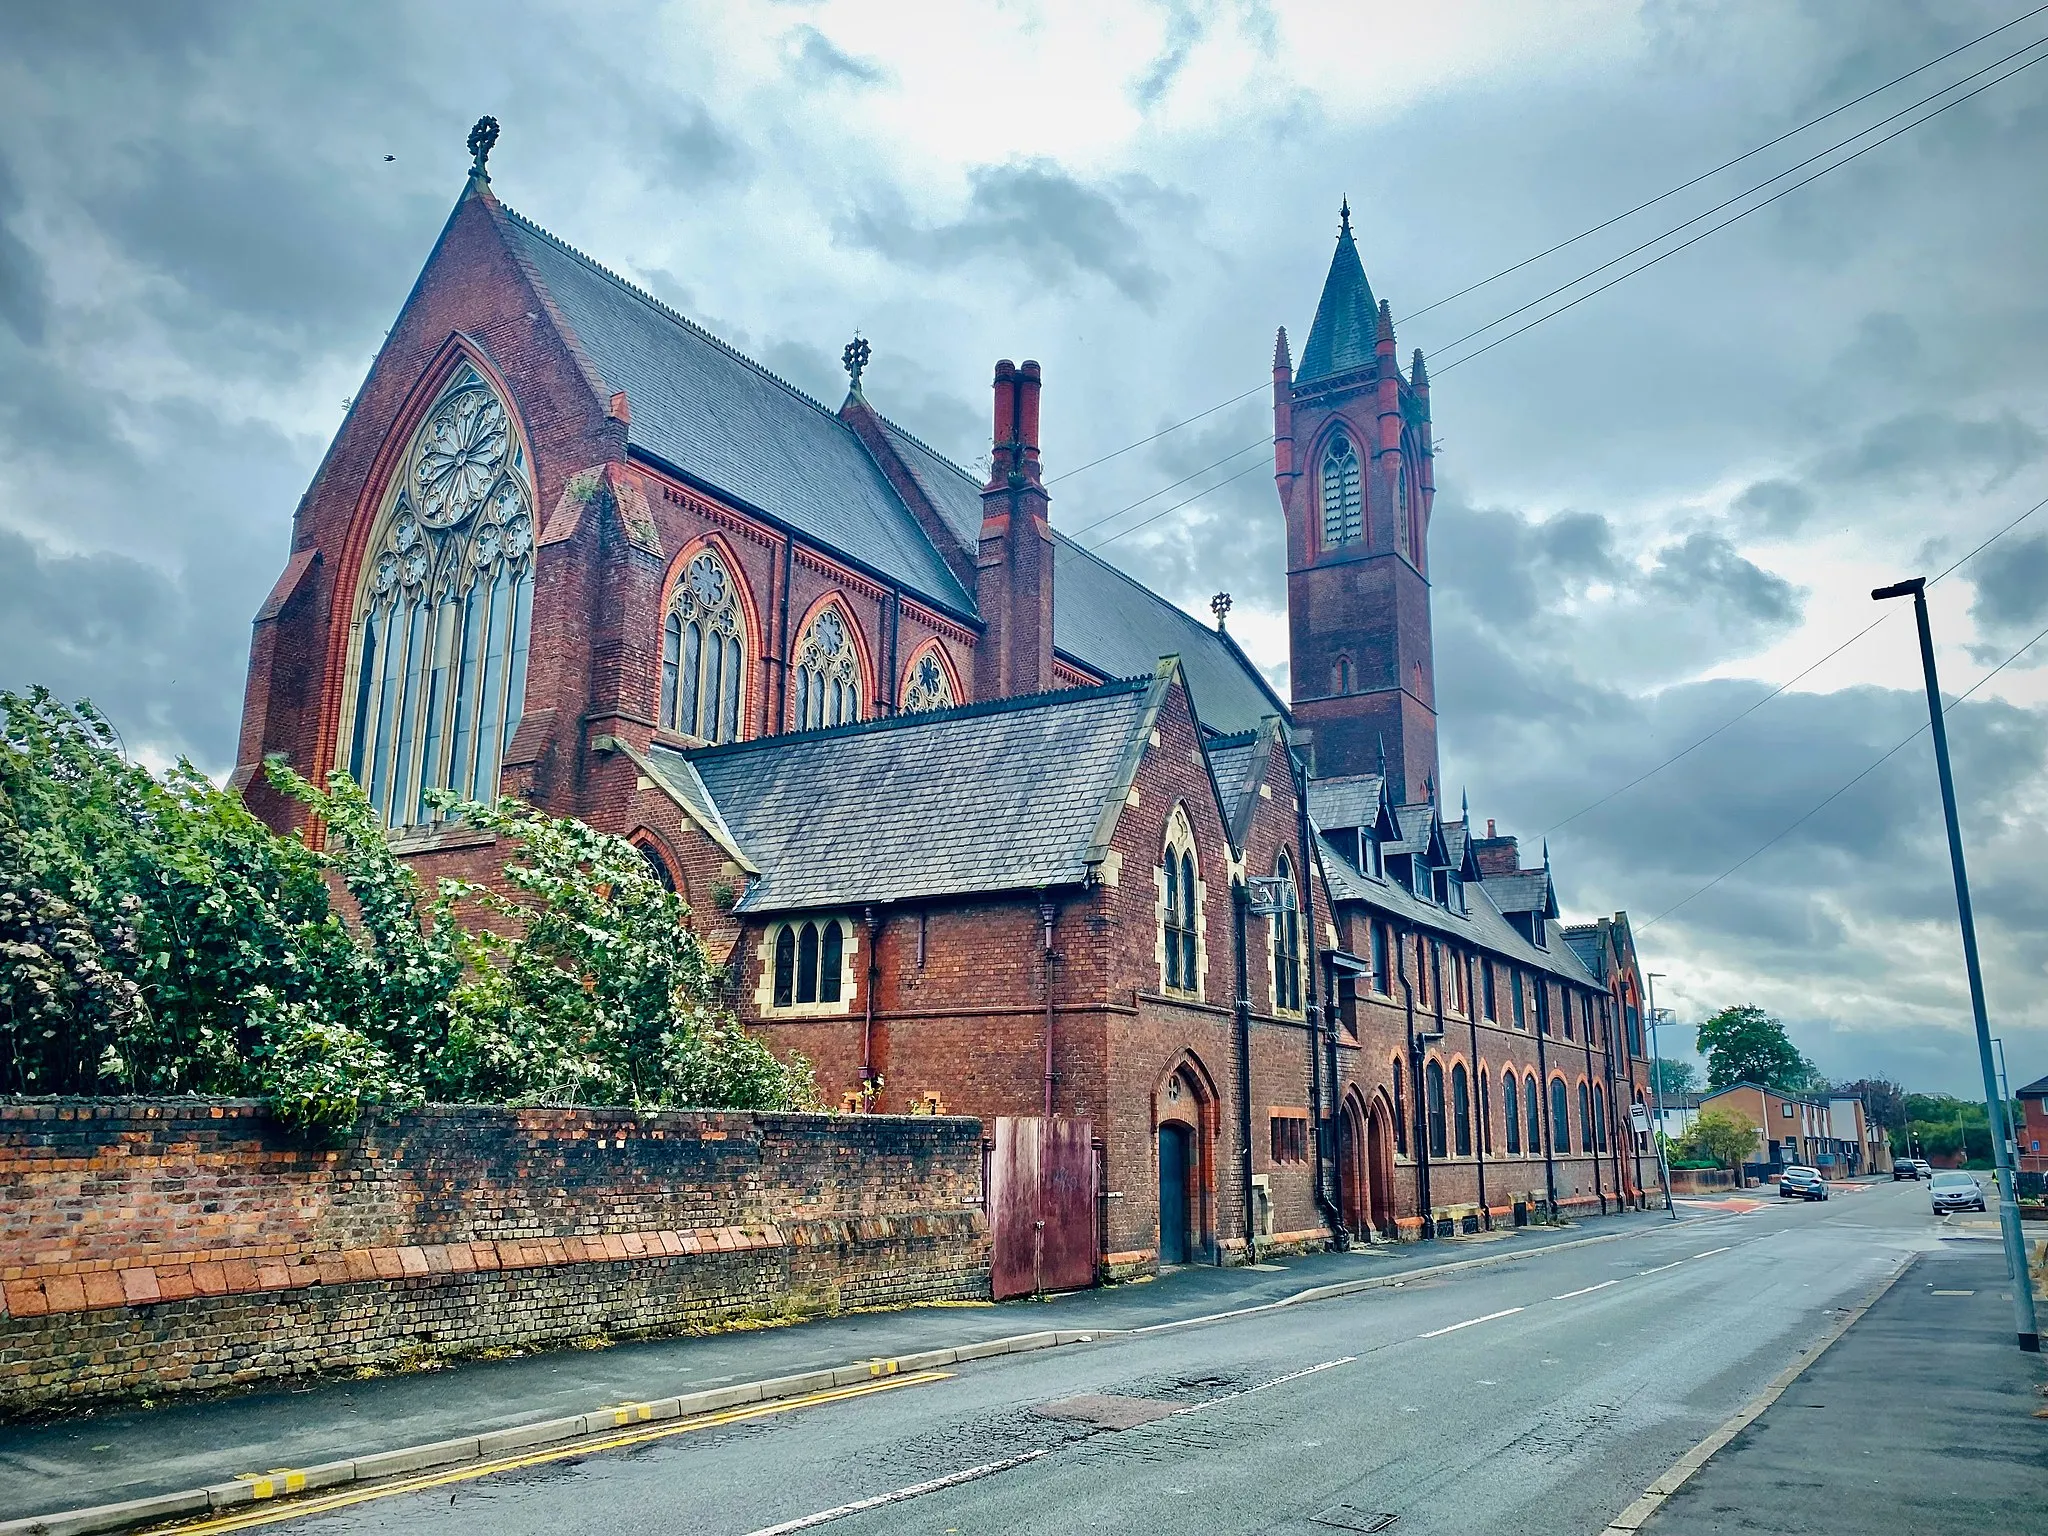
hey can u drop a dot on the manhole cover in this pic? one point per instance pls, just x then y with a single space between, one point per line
1107 1412
1349 1517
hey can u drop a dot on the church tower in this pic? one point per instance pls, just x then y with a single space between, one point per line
1353 463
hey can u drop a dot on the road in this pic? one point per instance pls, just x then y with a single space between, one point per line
1539 1396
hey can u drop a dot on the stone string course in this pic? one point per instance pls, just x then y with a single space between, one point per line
159 1246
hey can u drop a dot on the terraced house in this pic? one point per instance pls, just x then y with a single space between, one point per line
975 821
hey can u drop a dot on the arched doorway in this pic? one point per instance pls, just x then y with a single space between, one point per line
1379 1164
1176 1204
1352 1169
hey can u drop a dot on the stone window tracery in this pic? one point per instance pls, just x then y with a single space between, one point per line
440 635
1286 942
704 653
1343 520
1182 960
804 965
928 685
827 673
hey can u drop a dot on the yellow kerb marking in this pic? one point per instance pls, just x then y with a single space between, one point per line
470 1471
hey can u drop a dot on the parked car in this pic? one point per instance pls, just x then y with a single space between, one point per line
1952 1190
1802 1183
1904 1168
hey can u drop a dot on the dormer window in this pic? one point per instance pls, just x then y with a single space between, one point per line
1454 892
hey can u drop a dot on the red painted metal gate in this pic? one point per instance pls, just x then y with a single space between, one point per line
1041 1202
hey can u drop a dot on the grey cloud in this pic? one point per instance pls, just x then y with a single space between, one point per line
24 291
1032 214
816 55
1775 508
1706 570
1183 31
693 150
2011 579
1928 447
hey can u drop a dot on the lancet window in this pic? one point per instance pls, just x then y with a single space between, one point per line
928 686
1343 519
827 674
703 653
442 616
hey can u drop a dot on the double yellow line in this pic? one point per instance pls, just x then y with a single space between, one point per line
272 1514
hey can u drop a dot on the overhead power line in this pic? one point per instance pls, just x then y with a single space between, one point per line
1747 154
1141 442
1736 719
1146 522
1917 732
1442 368
1183 480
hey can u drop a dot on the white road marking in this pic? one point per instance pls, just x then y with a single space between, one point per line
900 1495
1661 1268
1712 1251
1470 1322
1589 1290
1277 1381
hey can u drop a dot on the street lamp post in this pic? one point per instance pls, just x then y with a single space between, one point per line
2008 1206
1657 1090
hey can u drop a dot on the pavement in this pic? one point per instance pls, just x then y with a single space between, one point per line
1518 1399
1922 1418
138 1452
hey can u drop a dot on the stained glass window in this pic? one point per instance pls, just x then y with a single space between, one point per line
703 653
827 674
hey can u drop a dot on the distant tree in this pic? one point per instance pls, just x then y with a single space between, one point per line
1744 1044
1884 1101
1668 1076
1723 1135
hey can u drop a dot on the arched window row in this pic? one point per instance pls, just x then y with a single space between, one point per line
704 653
807 967
441 619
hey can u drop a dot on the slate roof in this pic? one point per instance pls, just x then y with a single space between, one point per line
1526 890
1116 625
1352 800
2037 1089
1230 759
1002 796
949 487
1347 318
1415 822
727 423
1481 924
1584 941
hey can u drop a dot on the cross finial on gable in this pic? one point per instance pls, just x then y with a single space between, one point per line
481 140
855 359
1220 606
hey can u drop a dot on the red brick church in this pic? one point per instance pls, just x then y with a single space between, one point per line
977 822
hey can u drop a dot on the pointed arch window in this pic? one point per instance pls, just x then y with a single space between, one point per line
827 671
1286 942
1433 1101
1461 1110
1180 910
1533 1121
1343 519
704 653
442 614
808 965
1485 1116
928 685
1510 1106
1560 1117
1587 1141
1400 1108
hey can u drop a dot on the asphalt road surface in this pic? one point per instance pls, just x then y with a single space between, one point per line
1539 1396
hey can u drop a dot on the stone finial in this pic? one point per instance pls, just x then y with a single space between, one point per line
1220 606
1344 218
481 140
855 359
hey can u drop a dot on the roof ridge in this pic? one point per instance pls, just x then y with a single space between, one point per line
669 311
970 710
944 458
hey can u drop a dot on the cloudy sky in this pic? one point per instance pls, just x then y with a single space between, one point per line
1653 509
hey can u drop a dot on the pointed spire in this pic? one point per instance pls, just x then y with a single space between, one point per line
1546 856
1341 338
1383 333
1465 808
1383 759
1418 376
1280 354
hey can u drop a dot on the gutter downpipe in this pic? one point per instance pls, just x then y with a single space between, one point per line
1046 913
1418 1097
1241 1013
1596 1090
872 921
1322 1038
1546 1124
1479 1104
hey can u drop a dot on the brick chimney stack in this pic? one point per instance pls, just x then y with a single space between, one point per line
1014 575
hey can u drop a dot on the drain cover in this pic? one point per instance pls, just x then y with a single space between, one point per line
1107 1412
1349 1517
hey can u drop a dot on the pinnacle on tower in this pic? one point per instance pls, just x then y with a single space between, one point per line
1384 330
1418 376
1280 357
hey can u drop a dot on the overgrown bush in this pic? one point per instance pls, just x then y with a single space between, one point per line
156 938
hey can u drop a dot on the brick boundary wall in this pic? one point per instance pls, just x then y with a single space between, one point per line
160 1246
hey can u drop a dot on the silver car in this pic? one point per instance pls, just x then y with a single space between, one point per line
1955 1191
